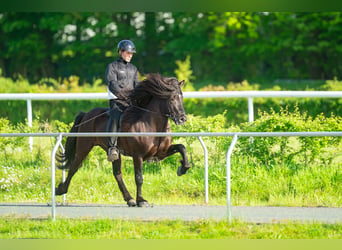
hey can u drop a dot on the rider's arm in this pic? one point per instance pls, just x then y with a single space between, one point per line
115 86
136 79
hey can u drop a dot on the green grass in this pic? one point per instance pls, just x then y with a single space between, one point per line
12 228
27 180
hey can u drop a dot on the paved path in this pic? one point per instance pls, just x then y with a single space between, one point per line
172 212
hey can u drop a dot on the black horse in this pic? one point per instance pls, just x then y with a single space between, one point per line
153 101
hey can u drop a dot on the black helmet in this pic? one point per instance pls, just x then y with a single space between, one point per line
126 45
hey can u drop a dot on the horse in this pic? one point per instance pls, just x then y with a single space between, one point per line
152 102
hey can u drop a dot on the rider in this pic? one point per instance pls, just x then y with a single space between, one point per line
121 78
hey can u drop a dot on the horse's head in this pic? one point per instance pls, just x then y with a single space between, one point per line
162 95
175 102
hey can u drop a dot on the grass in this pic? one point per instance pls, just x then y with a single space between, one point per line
128 229
27 180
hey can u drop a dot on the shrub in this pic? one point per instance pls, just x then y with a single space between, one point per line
10 144
271 150
184 72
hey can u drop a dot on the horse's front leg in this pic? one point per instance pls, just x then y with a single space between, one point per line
180 148
118 177
138 162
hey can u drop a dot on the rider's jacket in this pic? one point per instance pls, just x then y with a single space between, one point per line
121 78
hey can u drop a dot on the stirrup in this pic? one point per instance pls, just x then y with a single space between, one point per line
113 154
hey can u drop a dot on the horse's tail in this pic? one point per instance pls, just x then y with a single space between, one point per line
65 159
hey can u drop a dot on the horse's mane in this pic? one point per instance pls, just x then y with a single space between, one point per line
153 86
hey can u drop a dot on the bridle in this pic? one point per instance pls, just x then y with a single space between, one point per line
170 113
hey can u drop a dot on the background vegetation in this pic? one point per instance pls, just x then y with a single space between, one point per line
235 110
222 46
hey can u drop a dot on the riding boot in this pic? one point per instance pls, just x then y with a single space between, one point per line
113 152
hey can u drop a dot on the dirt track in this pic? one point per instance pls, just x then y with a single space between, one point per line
195 212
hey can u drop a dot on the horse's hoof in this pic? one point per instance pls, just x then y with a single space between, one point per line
181 171
143 204
131 203
58 190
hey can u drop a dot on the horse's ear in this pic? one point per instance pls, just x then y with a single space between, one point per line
181 83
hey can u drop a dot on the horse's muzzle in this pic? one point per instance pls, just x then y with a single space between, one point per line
180 119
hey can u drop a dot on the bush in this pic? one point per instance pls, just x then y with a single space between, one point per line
288 150
15 148
10 144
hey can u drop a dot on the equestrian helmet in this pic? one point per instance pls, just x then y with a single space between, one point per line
126 45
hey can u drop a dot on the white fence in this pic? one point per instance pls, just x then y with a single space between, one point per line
29 97
235 136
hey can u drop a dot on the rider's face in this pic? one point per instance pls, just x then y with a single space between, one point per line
127 56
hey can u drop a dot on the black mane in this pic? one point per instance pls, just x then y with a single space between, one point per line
154 86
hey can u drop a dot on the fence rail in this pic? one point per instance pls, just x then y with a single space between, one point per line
235 136
187 94
29 97
190 94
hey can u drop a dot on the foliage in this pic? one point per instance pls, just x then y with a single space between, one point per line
184 72
332 85
235 109
10 144
270 150
15 110
216 123
223 46
49 85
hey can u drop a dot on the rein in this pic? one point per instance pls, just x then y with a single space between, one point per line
107 112
93 118
150 111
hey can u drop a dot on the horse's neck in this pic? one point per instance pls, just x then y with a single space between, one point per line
158 116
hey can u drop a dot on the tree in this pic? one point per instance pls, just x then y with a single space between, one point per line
28 42
223 46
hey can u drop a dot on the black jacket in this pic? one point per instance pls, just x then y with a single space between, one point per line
121 78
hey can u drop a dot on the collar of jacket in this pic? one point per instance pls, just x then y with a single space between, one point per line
122 60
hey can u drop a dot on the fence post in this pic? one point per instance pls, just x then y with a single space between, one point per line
63 171
53 178
250 110
29 121
228 168
206 181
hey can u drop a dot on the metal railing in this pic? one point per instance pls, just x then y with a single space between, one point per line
29 97
235 136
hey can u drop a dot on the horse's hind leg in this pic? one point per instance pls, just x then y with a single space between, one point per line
138 161
63 186
180 148
82 152
118 177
